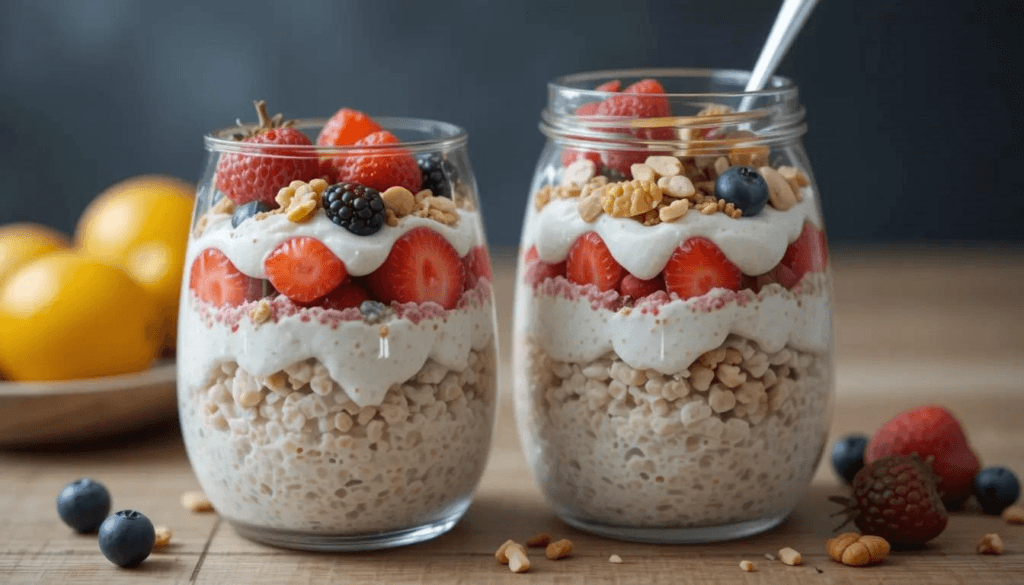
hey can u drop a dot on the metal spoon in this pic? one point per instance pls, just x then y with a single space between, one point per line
788 23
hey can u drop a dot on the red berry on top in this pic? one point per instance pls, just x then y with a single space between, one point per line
345 127
304 269
633 287
422 267
809 253
636 101
590 262
697 266
571 155
381 170
216 280
346 296
646 86
478 266
536 271
896 498
930 431
245 177
609 86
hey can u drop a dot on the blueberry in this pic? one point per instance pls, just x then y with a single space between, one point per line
996 488
126 538
248 210
744 188
83 504
848 455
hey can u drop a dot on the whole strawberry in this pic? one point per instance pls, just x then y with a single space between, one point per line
245 177
930 431
895 497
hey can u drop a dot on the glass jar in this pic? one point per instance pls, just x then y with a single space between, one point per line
337 378
673 332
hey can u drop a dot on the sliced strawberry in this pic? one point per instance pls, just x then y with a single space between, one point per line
610 86
536 271
345 127
478 265
590 262
346 296
808 253
422 267
216 280
304 269
697 266
635 288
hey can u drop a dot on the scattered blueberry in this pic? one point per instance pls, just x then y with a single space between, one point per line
244 212
355 207
996 488
372 311
439 174
744 188
83 504
126 538
848 455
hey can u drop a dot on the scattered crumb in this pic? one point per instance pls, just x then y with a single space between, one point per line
748 566
615 559
559 549
518 562
163 537
1013 515
991 544
790 557
196 502
261 312
500 554
539 540
770 556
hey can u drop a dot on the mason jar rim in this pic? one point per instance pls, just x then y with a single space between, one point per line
443 136
777 84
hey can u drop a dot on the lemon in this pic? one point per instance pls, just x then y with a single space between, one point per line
66 315
142 225
21 242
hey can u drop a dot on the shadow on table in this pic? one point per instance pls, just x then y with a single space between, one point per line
154 440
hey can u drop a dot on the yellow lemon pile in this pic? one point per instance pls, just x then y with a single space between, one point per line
106 305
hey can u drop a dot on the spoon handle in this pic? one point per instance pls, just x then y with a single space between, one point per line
787 25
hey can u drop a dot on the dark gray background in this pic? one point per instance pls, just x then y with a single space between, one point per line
914 107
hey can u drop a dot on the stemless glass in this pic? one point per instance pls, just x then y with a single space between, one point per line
673 331
336 386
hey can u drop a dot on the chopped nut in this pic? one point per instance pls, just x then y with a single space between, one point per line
795 177
678 186
1013 515
631 198
423 194
542 197
790 557
399 200
538 540
650 218
223 206
442 204
579 172
855 550
501 555
518 562
664 166
301 212
615 559
390 218
590 207
780 194
748 566
674 210
163 537
721 165
196 502
709 208
642 172
558 549
991 544
261 312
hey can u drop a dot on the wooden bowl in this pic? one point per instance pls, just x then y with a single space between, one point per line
33 413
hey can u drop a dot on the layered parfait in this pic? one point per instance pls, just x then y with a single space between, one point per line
337 355
673 327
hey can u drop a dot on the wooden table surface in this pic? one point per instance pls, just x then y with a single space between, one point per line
912 327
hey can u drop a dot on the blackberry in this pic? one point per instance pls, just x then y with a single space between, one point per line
439 174
355 207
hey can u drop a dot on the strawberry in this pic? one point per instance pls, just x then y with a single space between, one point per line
346 296
383 168
635 102
537 271
245 177
590 262
478 266
345 127
808 253
610 86
895 497
697 266
930 431
422 267
632 286
570 155
304 269
216 280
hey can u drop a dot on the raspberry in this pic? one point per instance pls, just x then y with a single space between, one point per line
381 168
357 208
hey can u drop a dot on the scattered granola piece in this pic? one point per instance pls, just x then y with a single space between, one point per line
501 555
790 557
261 312
678 186
1013 515
590 207
615 559
579 173
748 566
631 198
770 556
991 544
558 549
780 194
674 210
642 172
399 200
540 539
855 550
518 562
163 537
196 501
664 166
